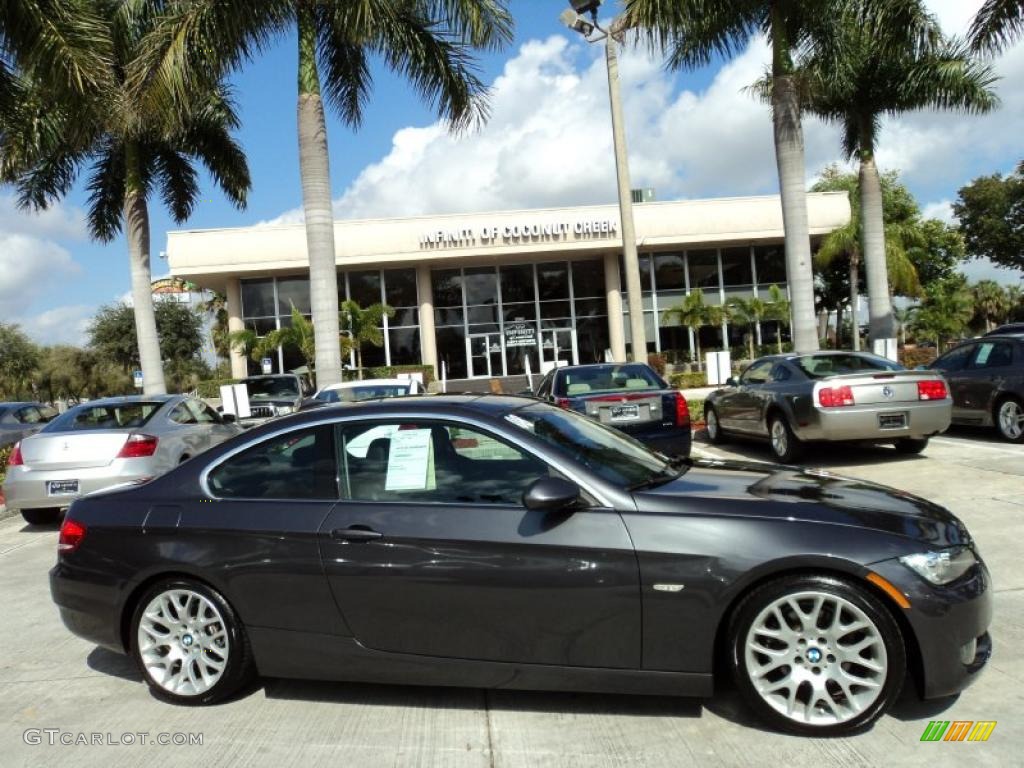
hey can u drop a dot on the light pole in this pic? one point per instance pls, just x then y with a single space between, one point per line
574 19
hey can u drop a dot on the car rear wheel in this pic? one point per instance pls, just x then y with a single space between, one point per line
189 644
816 655
785 445
1010 420
911 445
44 516
712 425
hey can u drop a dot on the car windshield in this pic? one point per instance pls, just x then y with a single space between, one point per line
608 378
272 387
110 416
353 394
608 453
820 366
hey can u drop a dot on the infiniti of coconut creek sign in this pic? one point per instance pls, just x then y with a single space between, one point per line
523 232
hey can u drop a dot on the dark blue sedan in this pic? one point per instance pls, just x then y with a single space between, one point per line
628 396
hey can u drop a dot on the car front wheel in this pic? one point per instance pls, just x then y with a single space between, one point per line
189 644
816 655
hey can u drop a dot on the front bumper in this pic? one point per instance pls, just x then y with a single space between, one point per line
950 625
860 422
27 488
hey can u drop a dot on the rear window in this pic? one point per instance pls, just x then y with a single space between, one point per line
608 378
820 366
92 417
352 394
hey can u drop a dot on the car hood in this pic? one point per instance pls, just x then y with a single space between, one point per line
807 495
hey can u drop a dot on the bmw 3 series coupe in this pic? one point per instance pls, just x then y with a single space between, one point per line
503 542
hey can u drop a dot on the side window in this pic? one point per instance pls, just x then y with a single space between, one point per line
955 359
201 412
29 415
758 373
296 465
433 462
781 373
992 354
181 415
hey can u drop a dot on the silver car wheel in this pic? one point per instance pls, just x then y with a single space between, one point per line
183 642
780 439
711 423
816 658
1011 420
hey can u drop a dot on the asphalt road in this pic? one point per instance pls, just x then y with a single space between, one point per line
52 680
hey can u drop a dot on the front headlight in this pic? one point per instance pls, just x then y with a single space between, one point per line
283 410
941 567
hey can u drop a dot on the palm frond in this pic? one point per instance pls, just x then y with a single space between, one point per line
996 25
106 187
692 33
178 182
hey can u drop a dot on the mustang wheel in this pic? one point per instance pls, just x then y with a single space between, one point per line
1010 420
816 655
785 445
189 644
714 428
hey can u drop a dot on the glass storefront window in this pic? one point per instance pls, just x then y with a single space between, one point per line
675 342
590 308
261 325
405 316
364 287
481 285
447 287
405 346
258 298
736 267
553 281
669 272
704 270
588 279
400 288
451 350
551 309
592 338
517 283
770 261
484 314
449 316
292 291
518 311
645 273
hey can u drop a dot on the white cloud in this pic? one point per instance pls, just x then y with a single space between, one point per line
60 325
28 265
56 222
941 210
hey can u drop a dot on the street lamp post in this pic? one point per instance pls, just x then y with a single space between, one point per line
574 19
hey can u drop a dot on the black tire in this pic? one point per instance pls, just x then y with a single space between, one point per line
238 669
788 450
910 445
1005 431
715 437
836 591
43 516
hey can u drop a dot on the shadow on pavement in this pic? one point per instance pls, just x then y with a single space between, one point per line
909 706
816 454
113 664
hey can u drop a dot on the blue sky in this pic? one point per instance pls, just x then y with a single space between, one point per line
548 143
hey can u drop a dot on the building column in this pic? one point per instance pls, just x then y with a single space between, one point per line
613 290
428 337
239 366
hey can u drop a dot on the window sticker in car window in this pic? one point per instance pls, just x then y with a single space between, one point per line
410 461
983 352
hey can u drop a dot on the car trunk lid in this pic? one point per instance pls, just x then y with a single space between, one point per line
67 450
883 387
624 409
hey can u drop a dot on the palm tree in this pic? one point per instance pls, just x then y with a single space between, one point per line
777 309
132 148
424 41
991 303
298 335
691 312
363 326
692 32
748 311
997 25
868 67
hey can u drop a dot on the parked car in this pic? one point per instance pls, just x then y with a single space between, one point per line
986 377
365 389
1008 328
18 420
503 542
272 395
794 399
631 397
107 442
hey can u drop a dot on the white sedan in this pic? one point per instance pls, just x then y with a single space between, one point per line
366 389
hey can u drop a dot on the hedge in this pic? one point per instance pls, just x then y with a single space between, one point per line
211 387
696 410
911 357
688 380
392 371
5 453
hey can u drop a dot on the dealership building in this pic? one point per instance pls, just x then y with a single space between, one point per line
483 295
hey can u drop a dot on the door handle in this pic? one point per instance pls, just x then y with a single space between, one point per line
356 533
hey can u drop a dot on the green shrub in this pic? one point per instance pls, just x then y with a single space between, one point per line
211 387
5 453
696 410
688 380
911 357
392 371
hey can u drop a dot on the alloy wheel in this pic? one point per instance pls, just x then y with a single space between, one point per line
816 658
1011 420
780 439
711 424
183 642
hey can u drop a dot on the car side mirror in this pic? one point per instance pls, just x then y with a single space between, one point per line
228 418
731 382
551 494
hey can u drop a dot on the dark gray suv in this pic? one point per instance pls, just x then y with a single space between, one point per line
986 379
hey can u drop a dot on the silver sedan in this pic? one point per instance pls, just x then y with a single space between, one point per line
104 443
794 399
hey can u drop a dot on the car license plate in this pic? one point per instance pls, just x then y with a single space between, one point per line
61 487
625 412
892 421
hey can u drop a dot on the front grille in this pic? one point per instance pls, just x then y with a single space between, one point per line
261 411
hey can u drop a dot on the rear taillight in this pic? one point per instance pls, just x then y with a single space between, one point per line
562 402
834 397
933 389
682 410
71 534
138 446
15 460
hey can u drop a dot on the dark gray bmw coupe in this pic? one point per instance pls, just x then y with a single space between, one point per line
503 542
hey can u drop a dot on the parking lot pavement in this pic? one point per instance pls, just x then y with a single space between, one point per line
52 680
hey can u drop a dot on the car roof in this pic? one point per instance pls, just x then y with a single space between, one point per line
129 399
494 406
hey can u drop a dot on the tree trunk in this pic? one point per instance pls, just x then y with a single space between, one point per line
855 301
359 361
778 334
839 326
789 156
873 247
136 226
316 202
696 342
750 341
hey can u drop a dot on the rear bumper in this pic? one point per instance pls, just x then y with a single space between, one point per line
27 489
89 607
860 422
950 625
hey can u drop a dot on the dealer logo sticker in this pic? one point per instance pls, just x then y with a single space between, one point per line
958 730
